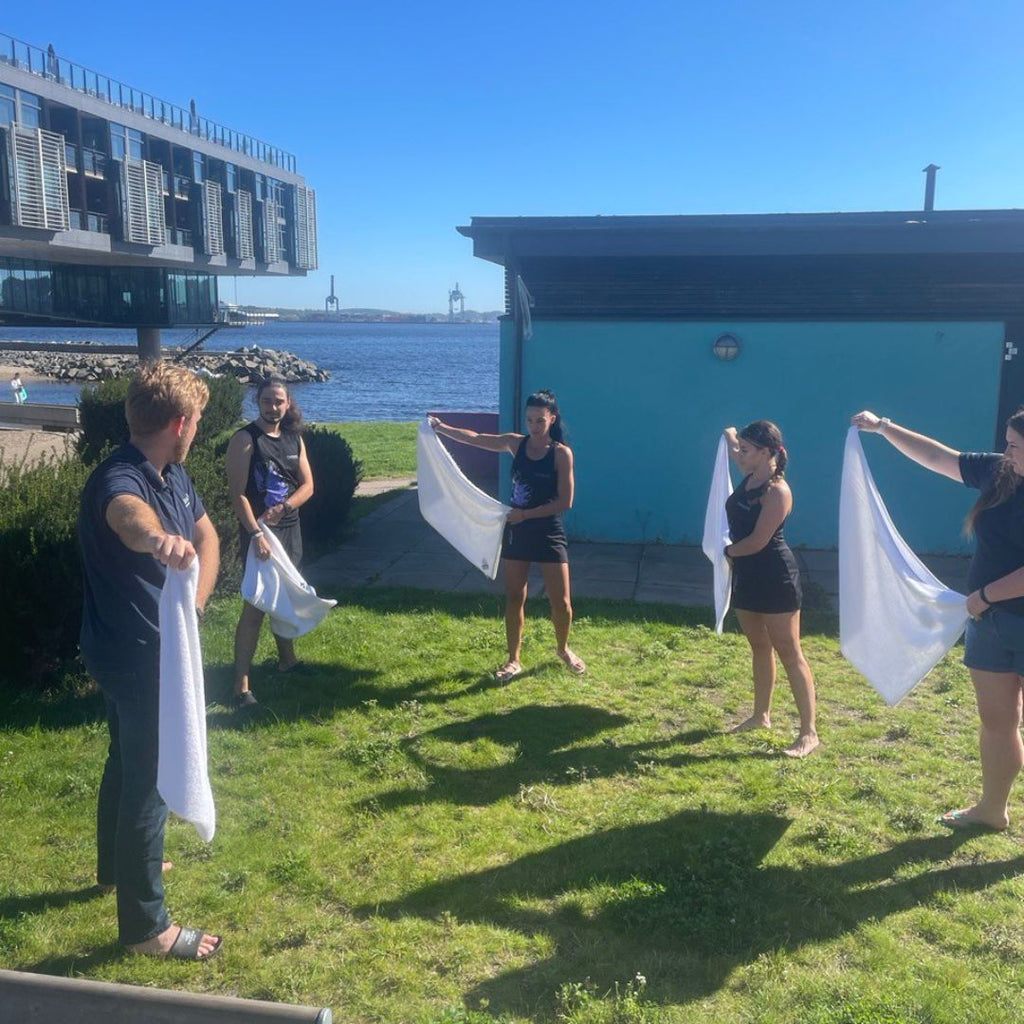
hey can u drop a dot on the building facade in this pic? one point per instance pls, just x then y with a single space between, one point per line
658 332
121 209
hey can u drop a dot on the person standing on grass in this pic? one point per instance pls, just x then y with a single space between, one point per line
542 489
766 581
140 515
269 479
994 647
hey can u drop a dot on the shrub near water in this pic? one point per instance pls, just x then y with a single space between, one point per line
336 474
101 410
41 599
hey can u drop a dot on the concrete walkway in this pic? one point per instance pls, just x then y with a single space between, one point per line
394 547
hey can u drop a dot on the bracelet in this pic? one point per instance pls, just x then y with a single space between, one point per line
883 423
288 506
984 596
256 533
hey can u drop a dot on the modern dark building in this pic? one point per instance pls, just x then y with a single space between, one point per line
121 209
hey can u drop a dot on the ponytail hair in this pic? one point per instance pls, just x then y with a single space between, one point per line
545 399
292 421
1004 484
764 434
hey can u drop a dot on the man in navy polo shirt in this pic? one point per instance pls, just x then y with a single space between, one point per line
140 514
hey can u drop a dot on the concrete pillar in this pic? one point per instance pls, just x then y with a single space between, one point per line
149 343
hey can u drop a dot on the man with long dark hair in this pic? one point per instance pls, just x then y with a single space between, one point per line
269 479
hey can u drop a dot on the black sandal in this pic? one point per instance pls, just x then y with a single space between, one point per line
186 946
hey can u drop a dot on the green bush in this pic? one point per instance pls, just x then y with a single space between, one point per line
101 415
336 473
41 600
101 410
205 464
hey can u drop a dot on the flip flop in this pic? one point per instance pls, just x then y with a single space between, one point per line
507 672
576 669
186 946
958 821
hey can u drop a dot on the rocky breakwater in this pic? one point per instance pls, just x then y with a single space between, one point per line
246 365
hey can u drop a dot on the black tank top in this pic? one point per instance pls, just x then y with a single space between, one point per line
534 481
273 471
742 508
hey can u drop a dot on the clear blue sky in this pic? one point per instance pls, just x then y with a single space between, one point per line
410 118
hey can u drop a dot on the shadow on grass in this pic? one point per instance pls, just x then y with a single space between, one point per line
78 964
542 743
15 906
685 901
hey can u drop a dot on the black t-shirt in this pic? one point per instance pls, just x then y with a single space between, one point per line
998 531
120 627
273 471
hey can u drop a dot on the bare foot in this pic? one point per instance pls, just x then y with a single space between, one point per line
508 671
162 944
752 723
973 817
573 662
165 867
805 743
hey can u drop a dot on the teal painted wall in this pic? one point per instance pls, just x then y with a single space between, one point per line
644 403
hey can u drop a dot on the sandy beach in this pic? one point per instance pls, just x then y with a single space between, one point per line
9 369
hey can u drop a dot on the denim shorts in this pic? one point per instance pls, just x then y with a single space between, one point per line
995 643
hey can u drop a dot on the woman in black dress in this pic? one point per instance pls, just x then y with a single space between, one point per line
542 489
766 582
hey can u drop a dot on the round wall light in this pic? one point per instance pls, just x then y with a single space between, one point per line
726 347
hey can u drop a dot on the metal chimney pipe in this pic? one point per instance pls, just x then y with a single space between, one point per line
929 187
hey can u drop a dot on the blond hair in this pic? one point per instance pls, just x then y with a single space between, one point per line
160 392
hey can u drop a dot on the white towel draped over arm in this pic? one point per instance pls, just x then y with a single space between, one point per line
182 777
896 620
716 532
275 586
471 521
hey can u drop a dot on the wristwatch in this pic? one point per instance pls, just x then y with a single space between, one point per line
288 506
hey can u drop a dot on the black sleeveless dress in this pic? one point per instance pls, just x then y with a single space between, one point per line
535 483
273 478
768 581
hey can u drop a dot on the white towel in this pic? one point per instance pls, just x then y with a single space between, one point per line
471 521
182 778
896 620
275 586
716 532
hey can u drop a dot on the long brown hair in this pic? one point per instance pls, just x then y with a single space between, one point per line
1005 480
292 421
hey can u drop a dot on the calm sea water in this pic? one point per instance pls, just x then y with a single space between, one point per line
378 371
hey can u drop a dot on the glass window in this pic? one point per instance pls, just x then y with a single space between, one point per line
197 166
118 141
135 144
231 177
7 105
30 111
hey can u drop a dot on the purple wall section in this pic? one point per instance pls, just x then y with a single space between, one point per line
481 467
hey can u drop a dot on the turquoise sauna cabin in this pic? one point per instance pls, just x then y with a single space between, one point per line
657 332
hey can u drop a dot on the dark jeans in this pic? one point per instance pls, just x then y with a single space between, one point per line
131 815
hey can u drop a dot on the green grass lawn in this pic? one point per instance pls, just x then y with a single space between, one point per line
402 839
385 449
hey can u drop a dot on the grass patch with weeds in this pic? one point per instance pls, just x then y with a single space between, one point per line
403 839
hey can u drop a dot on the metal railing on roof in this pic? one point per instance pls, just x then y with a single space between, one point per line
48 64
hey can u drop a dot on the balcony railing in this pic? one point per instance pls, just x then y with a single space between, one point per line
82 221
178 236
48 64
94 163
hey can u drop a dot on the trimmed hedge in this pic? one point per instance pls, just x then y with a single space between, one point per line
336 474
